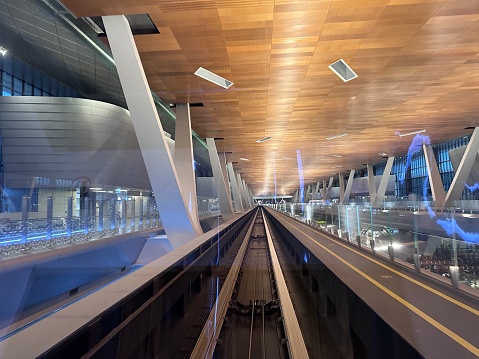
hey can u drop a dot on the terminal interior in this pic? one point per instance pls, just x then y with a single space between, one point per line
238 179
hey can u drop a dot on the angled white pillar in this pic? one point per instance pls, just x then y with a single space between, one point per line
184 160
242 192
177 220
307 197
464 169
223 199
251 197
347 192
295 197
316 191
245 189
437 187
238 205
224 172
384 182
324 190
372 184
341 188
328 190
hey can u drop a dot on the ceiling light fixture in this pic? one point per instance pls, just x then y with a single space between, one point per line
337 156
263 139
214 78
336 136
3 51
337 166
287 158
410 133
244 159
343 70
383 154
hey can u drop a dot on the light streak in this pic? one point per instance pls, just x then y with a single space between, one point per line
450 226
415 146
301 176
472 188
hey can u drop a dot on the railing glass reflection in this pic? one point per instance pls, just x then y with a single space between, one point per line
444 244
40 214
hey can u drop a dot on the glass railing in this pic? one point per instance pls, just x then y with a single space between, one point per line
38 214
442 242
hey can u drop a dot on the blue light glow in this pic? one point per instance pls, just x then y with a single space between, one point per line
416 145
472 188
450 226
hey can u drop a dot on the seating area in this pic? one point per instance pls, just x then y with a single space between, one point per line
468 263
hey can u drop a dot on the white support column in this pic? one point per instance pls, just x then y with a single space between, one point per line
242 192
234 186
307 197
251 197
347 193
245 189
330 185
380 194
437 187
224 172
295 197
372 184
324 190
177 220
224 202
341 188
464 169
316 191
184 160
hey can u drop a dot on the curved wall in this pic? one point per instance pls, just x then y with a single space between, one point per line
71 138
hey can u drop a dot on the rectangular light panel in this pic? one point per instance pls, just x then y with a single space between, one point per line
336 136
214 78
411 133
343 70
263 139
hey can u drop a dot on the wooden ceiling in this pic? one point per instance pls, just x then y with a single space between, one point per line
417 62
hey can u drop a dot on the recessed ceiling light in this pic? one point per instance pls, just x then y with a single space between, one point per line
410 133
214 78
383 154
3 51
244 159
336 136
337 156
287 158
263 139
343 70
337 166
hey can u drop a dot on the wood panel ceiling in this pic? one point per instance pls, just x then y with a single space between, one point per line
417 62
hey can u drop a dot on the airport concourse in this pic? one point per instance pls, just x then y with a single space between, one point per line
239 179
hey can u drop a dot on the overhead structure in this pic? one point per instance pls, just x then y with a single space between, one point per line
349 186
183 158
224 201
464 169
435 181
278 85
237 201
181 224
381 192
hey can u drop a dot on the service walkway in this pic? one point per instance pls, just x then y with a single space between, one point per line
438 321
